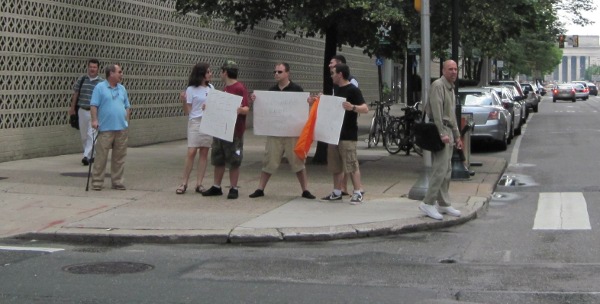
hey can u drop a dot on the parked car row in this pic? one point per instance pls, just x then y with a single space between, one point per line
498 113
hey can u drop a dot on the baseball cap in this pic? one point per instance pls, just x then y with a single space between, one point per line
229 65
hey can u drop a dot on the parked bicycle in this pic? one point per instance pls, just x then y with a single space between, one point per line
400 132
379 123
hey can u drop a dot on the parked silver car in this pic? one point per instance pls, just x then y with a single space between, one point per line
516 108
491 120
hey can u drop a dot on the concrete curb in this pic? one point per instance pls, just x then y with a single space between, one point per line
475 206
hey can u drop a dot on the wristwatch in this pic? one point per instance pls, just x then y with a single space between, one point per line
353 107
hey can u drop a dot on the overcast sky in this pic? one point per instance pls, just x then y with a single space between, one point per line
588 30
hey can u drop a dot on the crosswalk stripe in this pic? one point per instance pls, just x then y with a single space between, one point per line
37 249
562 211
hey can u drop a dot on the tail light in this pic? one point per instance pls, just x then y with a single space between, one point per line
494 115
586 90
555 91
506 105
572 91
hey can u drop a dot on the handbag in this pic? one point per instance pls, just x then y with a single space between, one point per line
427 135
74 119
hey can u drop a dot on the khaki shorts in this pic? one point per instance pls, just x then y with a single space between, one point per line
277 147
227 153
342 158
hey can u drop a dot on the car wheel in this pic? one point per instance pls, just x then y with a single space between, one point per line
574 100
585 98
553 99
518 130
535 109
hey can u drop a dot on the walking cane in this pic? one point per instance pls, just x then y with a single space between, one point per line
94 136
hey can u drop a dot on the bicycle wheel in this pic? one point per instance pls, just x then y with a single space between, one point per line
372 141
392 137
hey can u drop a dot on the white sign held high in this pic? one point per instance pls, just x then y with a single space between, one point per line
280 113
330 116
220 114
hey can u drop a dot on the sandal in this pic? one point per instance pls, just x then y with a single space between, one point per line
200 189
181 189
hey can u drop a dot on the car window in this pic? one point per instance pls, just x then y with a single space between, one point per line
476 99
565 86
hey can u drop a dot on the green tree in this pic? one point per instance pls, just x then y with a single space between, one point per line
593 70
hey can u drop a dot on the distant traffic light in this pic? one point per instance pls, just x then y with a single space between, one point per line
575 40
561 41
417 4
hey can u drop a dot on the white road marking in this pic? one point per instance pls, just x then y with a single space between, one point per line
562 211
515 151
37 249
506 257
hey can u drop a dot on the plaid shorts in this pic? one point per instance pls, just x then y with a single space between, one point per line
227 153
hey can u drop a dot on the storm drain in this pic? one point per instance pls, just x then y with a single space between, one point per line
1 178
108 268
515 180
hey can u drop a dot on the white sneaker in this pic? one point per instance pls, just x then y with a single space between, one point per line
430 211
448 210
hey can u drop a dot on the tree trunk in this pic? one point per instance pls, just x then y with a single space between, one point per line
330 50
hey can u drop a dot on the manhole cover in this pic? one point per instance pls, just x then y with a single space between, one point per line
108 268
512 180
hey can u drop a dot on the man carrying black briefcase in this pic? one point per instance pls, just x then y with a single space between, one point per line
79 111
440 110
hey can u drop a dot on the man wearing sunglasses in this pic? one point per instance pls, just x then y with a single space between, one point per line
277 146
110 111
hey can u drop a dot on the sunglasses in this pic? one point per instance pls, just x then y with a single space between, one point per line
278 72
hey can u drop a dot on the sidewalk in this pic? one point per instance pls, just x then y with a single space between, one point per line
45 198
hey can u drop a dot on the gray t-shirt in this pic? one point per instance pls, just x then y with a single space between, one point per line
85 95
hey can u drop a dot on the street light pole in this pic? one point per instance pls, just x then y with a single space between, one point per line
419 189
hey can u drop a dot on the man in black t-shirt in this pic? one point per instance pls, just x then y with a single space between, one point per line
278 146
342 158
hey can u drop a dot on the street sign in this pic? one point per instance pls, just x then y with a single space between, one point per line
414 46
379 61
499 64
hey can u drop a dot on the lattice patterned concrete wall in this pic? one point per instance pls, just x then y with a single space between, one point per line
45 45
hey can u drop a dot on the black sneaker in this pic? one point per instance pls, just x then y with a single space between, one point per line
332 197
233 194
212 191
308 195
85 161
257 193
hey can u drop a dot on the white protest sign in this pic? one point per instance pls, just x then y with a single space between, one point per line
280 113
220 114
330 116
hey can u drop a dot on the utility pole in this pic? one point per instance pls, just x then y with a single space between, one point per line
419 189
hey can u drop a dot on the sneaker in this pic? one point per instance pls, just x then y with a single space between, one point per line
430 211
85 161
119 187
212 191
356 199
257 193
233 194
308 195
332 197
448 210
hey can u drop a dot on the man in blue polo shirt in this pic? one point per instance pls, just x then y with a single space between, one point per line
110 111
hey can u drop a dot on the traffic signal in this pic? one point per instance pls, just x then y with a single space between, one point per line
561 41
418 5
575 40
